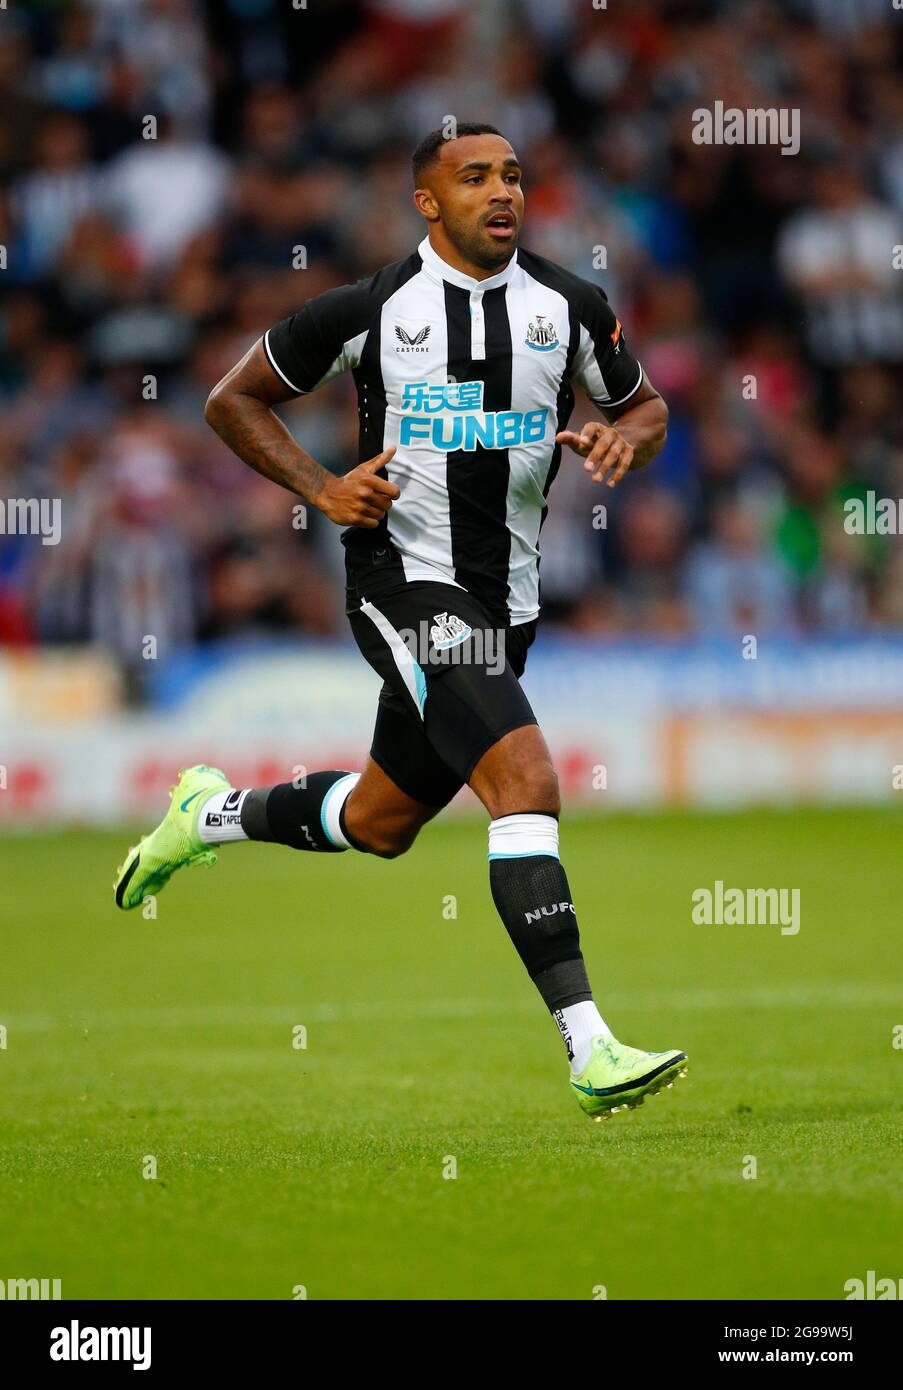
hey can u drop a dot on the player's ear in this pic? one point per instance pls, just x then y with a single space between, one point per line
426 204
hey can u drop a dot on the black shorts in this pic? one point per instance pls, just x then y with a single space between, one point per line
450 672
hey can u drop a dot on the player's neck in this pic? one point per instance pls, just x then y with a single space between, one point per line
452 257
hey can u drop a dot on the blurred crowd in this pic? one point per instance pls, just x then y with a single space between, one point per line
179 175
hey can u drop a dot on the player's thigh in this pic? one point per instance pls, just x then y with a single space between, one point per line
405 755
448 665
479 704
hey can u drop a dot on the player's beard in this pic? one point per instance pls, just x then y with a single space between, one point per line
475 245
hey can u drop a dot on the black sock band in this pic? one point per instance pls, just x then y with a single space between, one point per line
254 814
533 899
290 815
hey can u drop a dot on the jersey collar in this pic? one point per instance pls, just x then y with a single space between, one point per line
434 265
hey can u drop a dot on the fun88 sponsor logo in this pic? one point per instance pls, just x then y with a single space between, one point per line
450 416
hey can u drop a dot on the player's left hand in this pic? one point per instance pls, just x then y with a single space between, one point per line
603 448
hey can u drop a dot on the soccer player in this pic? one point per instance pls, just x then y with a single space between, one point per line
463 356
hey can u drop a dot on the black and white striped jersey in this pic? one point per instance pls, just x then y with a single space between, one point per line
470 380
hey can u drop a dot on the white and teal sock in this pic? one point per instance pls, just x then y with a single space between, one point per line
578 1024
219 819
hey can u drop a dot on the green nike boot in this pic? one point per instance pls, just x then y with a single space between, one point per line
618 1077
150 864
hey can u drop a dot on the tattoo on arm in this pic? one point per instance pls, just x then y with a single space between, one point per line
240 410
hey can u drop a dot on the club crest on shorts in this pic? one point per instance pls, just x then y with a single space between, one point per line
541 335
448 630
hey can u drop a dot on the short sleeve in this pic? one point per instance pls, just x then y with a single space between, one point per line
603 364
321 341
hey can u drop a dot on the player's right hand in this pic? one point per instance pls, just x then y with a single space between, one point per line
360 498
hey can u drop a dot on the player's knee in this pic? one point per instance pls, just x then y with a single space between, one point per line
541 791
531 788
387 845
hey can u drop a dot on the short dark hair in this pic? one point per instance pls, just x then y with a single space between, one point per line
428 149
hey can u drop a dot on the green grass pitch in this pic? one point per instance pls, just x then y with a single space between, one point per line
323 1167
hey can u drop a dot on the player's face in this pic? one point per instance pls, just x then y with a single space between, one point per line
476 185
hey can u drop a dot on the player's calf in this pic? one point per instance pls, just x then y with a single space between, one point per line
309 816
386 837
365 811
331 812
517 784
205 811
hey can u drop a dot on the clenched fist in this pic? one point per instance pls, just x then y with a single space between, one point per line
360 498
